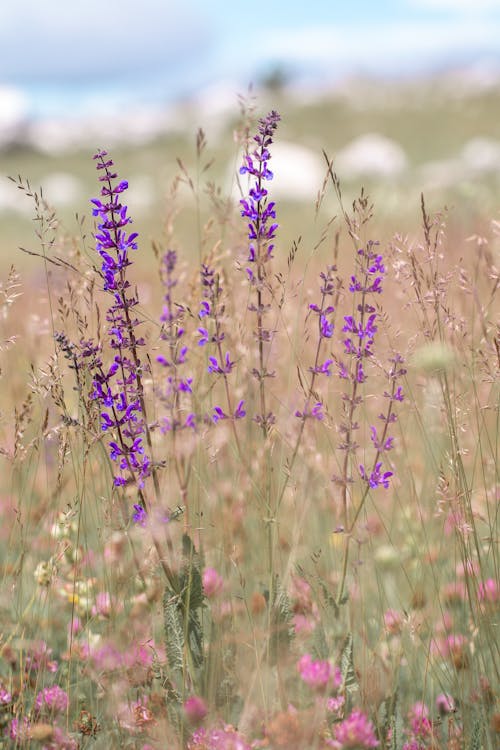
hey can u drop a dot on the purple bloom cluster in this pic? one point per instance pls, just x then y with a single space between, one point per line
323 312
178 386
211 333
382 441
360 331
256 208
261 214
118 388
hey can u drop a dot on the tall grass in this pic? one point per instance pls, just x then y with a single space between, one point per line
250 502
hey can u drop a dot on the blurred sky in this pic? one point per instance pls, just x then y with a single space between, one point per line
67 58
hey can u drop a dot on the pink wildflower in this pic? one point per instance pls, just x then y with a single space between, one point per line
141 713
38 658
52 700
226 738
315 673
393 621
195 709
356 731
488 591
75 626
456 521
454 592
303 624
212 582
61 741
446 623
19 730
419 720
335 705
5 696
301 595
102 606
445 704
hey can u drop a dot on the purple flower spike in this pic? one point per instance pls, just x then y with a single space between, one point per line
361 332
177 391
256 207
119 388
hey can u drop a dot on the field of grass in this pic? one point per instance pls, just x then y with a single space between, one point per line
250 468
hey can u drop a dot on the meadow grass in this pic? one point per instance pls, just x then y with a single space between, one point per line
250 497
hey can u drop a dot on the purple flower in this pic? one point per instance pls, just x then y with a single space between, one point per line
185 385
323 311
315 413
256 207
218 414
176 389
326 328
376 477
384 446
139 516
260 214
205 338
240 411
204 309
190 421
119 389
361 329
224 368
323 369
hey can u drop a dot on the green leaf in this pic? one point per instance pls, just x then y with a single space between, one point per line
348 672
320 648
174 631
191 580
328 597
396 724
195 640
476 738
282 631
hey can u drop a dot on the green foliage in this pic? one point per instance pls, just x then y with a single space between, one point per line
350 680
282 631
174 632
320 648
392 721
182 622
477 734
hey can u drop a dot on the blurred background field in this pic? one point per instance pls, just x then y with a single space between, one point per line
395 139
405 98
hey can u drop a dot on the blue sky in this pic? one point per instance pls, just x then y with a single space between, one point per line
170 48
